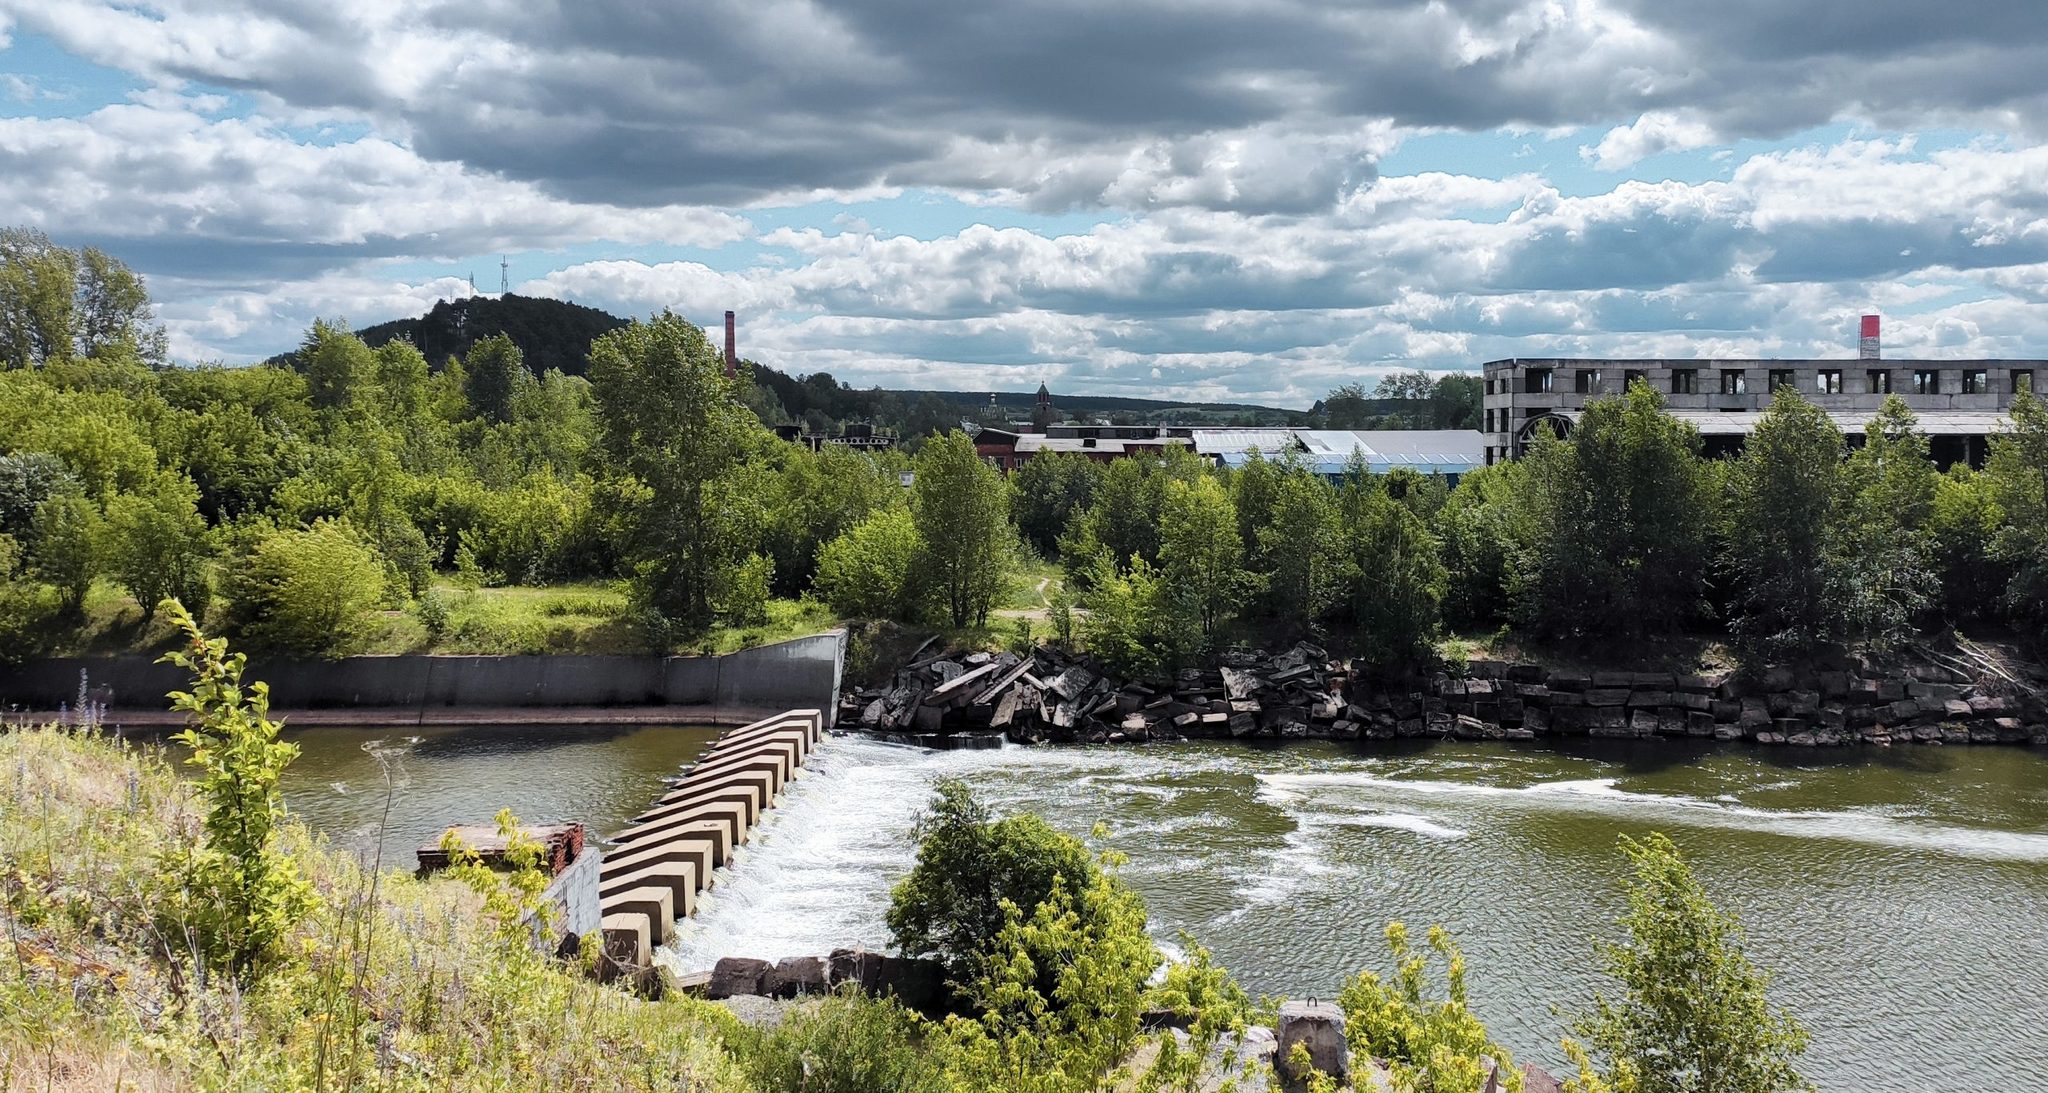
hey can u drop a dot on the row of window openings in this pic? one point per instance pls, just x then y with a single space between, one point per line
1735 381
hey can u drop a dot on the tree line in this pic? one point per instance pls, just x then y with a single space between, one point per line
290 502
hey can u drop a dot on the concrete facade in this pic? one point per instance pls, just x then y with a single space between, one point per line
803 672
1970 397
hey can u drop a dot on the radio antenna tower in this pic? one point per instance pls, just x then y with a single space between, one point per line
504 275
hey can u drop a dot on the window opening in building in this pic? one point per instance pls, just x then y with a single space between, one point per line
1629 377
1734 382
1880 381
2022 381
1828 381
1489 387
1926 381
1780 377
1685 381
1976 381
1538 381
1588 381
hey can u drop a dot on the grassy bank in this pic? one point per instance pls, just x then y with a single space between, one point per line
587 618
393 983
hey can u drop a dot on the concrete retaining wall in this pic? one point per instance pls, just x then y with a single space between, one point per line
574 892
802 673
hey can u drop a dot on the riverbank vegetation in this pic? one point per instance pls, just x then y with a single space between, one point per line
354 499
172 933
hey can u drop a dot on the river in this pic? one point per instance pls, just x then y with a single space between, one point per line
1899 897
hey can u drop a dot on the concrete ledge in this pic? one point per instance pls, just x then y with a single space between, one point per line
680 878
654 901
626 951
757 787
730 815
699 851
778 763
803 672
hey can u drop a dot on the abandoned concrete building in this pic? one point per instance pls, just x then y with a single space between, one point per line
1960 402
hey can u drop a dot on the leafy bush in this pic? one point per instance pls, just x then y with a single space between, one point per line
848 1043
159 546
310 591
1694 1015
871 571
1431 1046
743 591
237 893
969 864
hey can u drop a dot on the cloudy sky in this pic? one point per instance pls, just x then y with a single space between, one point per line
1249 199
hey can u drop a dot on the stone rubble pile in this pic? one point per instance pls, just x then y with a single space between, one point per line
1302 691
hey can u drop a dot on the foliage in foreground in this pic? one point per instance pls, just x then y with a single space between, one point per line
1430 1045
1693 1016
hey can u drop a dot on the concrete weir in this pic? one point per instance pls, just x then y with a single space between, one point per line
659 863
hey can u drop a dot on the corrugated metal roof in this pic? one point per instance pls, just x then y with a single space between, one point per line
1220 441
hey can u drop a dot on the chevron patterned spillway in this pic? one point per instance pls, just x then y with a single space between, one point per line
654 868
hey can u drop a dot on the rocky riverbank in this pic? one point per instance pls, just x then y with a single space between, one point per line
1303 692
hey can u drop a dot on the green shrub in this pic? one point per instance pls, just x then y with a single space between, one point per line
950 905
1694 1015
310 591
1431 1046
235 892
870 572
847 1043
743 591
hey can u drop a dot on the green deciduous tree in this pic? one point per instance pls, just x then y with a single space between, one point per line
1618 519
2018 473
961 508
1047 492
497 376
1694 1015
1396 579
1784 538
158 545
673 423
969 864
341 372
1962 531
309 591
1302 542
1201 555
68 545
58 304
1130 625
871 570
1891 485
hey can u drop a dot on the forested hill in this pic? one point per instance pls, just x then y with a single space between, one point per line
555 334
549 333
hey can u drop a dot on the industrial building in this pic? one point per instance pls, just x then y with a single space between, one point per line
1960 403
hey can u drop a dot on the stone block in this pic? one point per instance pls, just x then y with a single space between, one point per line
1642 723
1570 681
736 975
859 967
1648 700
1319 1027
1698 723
1688 700
1607 696
795 975
1606 680
1652 681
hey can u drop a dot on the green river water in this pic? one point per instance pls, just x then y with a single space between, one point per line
1900 897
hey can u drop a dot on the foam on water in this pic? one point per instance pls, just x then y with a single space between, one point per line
1602 795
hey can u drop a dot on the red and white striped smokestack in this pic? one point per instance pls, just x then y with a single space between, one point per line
1867 346
732 355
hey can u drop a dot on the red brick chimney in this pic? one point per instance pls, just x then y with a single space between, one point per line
732 356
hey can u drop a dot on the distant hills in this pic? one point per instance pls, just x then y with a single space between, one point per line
556 334
549 333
